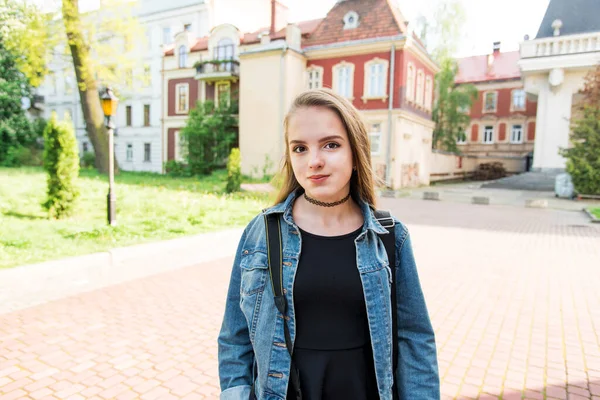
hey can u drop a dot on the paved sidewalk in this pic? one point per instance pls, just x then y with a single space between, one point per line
512 292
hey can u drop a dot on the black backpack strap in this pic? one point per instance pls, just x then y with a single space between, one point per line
275 254
389 241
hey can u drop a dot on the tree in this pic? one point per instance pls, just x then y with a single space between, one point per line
451 106
208 136
61 162
234 171
443 35
583 157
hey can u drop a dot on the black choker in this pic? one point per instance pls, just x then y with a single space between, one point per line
323 204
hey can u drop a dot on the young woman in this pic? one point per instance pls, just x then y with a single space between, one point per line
336 279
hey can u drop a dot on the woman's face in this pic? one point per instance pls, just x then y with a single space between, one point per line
320 153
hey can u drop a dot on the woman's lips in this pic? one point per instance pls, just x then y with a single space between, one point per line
318 178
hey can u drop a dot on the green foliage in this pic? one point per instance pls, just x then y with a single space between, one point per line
88 160
234 171
451 120
61 162
177 169
209 135
583 157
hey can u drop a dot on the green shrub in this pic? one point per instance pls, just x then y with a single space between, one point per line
88 160
234 171
177 169
61 162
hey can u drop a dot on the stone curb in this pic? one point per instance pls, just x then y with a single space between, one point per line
593 218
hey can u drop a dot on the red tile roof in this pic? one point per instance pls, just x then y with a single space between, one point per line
306 27
377 18
475 69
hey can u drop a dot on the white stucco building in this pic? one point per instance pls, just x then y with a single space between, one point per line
553 67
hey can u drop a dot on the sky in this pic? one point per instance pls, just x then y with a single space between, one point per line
488 21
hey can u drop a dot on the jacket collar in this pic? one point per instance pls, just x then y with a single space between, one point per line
285 208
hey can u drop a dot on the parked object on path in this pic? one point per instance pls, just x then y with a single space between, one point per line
563 186
489 171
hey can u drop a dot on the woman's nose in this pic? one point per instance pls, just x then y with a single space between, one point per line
316 161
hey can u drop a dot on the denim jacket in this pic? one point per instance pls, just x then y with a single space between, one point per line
252 331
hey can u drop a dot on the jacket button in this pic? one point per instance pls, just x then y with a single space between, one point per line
284 291
246 251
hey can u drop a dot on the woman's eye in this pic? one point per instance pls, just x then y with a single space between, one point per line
298 149
332 145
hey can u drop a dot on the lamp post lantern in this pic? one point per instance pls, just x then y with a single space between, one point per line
109 106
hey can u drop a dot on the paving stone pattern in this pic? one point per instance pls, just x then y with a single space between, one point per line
512 292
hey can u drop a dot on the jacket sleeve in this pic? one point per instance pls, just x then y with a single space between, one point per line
236 356
417 373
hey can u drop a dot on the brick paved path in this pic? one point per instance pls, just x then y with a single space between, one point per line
513 295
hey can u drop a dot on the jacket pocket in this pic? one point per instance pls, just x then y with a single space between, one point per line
255 271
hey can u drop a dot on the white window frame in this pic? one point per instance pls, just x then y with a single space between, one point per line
130 108
463 139
512 133
513 106
178 146
420 88
182 56
428 93
129 152
411 77
485 94
178 108
336 77
368 93
375 134
484 138
222 83
351 24
311 82
149 158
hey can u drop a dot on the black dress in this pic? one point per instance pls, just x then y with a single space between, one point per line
332 349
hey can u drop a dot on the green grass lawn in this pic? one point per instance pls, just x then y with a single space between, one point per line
596 212
150 207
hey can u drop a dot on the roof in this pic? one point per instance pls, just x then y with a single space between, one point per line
377 18
577 16
201 44
475 69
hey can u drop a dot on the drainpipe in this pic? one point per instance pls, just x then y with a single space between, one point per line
281 95
388 156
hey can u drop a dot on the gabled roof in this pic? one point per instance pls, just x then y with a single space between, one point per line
476 70
377 18
577 16
201 44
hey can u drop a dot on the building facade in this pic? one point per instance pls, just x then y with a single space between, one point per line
503 117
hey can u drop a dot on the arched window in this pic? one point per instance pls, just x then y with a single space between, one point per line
224 51
182 56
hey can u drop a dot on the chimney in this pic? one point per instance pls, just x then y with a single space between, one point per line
273 12
496 47
279 16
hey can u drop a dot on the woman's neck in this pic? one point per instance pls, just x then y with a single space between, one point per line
343 218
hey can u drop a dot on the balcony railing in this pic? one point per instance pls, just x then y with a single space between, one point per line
561 45
218 69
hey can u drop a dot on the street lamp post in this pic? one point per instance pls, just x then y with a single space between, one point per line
109 106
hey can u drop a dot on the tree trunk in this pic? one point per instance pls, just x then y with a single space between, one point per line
86 83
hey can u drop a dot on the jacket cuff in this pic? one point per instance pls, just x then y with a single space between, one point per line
236 393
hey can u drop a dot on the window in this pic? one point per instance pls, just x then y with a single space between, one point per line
146 114
180 148
516 134
343 79
182 102
375 81
129 155
182 56
85 147
518 99
420 83
147 149
429 93
166 35
315 77
491 101
462 138
147 79
410 83
68 83
223 93
350 20
187 27
128 116
488 135
375 137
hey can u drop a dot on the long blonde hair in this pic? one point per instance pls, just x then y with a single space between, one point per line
362 182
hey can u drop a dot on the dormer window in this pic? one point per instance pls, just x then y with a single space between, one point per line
351 20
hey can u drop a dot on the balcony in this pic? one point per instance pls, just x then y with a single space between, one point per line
213 70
